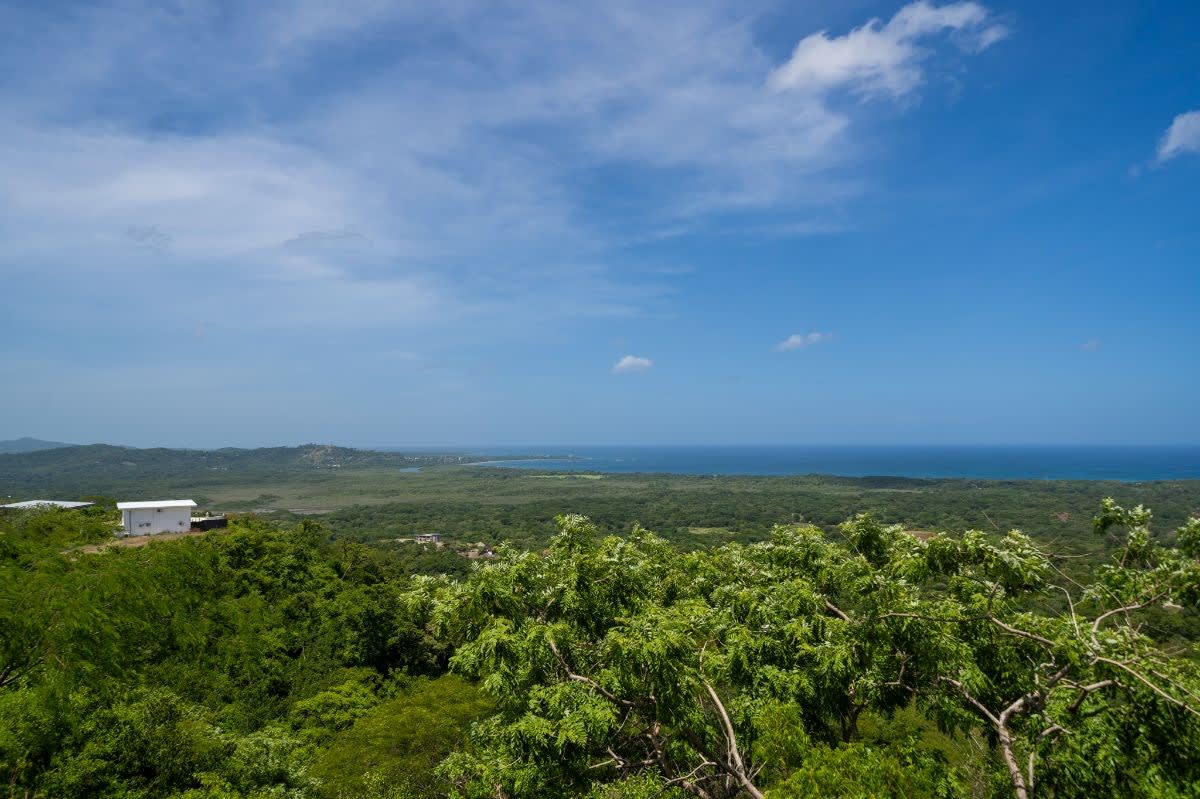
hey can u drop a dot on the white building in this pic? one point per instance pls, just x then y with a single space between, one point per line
156 516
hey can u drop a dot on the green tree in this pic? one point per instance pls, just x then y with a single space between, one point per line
613 659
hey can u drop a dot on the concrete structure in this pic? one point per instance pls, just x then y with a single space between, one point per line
45 503
428 538
156 516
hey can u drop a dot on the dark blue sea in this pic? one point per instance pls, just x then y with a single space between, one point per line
1130 464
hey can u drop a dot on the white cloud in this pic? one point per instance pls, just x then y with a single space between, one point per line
445 180
883 59
1182 137
631 363
798 341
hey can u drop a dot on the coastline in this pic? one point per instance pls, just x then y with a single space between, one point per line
1125 464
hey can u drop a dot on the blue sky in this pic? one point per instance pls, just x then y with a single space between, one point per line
375 223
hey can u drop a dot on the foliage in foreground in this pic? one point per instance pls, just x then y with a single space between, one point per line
624 668
269 662
207 668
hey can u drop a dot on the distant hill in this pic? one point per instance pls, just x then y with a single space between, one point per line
28 444
72 470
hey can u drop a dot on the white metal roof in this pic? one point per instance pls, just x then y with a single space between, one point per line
38 503
157 503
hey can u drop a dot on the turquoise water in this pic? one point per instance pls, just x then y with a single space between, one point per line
993 463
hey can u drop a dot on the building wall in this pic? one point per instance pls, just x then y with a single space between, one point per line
149 521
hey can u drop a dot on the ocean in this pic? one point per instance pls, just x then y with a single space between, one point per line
1129 464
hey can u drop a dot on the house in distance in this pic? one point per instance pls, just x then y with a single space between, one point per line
156 516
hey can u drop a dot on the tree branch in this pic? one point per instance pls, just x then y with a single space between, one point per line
1020 788
1008 628
974 702
1124 609
836 611
1145 681
585 680
735 757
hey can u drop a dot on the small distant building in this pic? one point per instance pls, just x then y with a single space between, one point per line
428 538
31 504
209 522
156 516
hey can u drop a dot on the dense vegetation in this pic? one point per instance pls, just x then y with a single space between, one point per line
621 663
692 511
276 660
217 666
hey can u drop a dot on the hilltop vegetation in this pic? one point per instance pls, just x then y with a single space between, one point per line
133 473
274 661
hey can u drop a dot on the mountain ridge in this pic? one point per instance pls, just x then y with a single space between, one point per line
14 446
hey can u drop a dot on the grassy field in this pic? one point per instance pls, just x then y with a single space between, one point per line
496 505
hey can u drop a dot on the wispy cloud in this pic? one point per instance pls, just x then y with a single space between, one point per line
459 174
631 363
883 59
439 158
1183 136
799 341
1091 345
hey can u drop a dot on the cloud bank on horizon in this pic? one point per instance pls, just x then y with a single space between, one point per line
290 193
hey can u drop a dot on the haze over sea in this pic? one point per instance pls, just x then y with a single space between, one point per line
1126 463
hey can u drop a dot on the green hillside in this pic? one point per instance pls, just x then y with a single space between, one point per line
27 444
141 473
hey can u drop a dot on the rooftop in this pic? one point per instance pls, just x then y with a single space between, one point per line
39 503
157 503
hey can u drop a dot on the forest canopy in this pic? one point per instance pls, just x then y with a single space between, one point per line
270 660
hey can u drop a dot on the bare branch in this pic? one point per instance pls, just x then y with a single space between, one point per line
974 702
585 680
1125 609
1085 691
1008 628
836 611
1018 705
1020 789
1145 681
735 757
1071 605
686 778
1176 685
